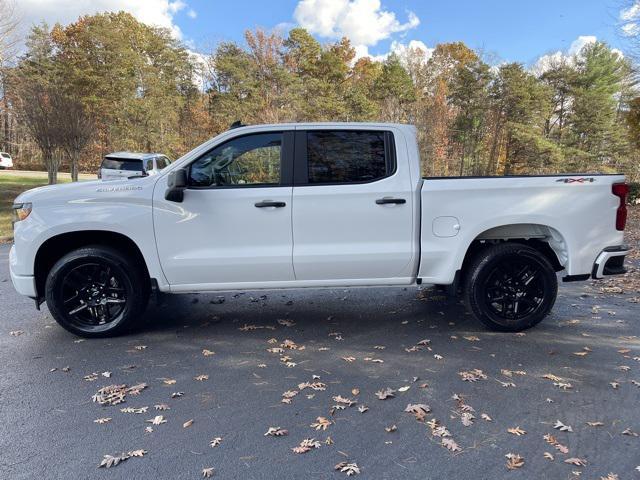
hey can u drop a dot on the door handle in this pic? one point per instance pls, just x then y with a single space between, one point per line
269 203
386 200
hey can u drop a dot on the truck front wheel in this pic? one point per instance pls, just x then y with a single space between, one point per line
96 291
510 287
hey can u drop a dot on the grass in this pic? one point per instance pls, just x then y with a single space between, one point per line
12 184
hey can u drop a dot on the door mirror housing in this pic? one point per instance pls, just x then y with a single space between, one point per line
176 185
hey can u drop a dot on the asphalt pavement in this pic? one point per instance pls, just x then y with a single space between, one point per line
233 356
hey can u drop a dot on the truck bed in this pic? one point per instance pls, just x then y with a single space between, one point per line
574 213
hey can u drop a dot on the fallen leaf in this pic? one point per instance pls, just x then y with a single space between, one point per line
516 431
514 461
385 393
102 421
549 456
276 432
579 462
486 417
562 427
348 468
344 401
404 389
472 375
391 428
362 408
115 394
595 424
215 442
207 472
450 445
208 353
157 420
418 410
321 423
134 410
187 424
306 445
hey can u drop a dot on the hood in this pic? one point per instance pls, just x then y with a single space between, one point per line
80 190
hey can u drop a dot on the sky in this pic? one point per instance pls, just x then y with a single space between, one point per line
504 30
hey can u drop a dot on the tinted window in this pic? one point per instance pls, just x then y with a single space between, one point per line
247 160
345 156
162 162
122 164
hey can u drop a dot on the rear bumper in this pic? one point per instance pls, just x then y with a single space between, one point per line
610 262
24 284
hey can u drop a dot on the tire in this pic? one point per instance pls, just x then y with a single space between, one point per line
510 287
96 291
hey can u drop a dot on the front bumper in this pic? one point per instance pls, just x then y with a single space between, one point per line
24 284
610 262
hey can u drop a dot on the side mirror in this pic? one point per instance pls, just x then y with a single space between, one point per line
176 185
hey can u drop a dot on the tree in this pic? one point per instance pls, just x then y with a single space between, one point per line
74 128
470 94
36 85
521 103
8 41
597 90
394 89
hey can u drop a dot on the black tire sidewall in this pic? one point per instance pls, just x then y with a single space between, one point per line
134 285
481 269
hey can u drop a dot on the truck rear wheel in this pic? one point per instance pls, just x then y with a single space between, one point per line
96 292
510 287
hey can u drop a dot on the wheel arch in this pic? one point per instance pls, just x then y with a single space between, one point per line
543 238
59 245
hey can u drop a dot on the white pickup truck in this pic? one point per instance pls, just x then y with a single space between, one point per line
313 205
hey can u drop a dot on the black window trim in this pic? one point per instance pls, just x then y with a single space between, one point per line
301 169
286 162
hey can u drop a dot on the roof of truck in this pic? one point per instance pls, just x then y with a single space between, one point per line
328 125
132 155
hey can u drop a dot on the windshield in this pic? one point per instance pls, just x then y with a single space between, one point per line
133 165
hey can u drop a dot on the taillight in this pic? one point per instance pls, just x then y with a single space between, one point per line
621 190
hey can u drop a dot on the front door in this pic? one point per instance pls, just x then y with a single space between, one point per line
234 225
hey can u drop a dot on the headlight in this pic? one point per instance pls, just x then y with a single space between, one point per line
20 211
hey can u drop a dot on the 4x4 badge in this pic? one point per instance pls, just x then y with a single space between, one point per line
576 180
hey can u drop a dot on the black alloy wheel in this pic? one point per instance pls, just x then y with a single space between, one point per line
510 286
96 291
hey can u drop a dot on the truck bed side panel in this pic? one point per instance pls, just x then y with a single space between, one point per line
578 211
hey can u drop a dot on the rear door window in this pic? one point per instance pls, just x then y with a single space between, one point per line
347 156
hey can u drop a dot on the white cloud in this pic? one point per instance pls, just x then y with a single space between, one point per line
364 22
545 62
579 43
159 13
402 50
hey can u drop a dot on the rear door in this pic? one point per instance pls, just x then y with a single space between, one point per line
352 207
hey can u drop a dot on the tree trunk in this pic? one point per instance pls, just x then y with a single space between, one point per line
74 166
52 167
